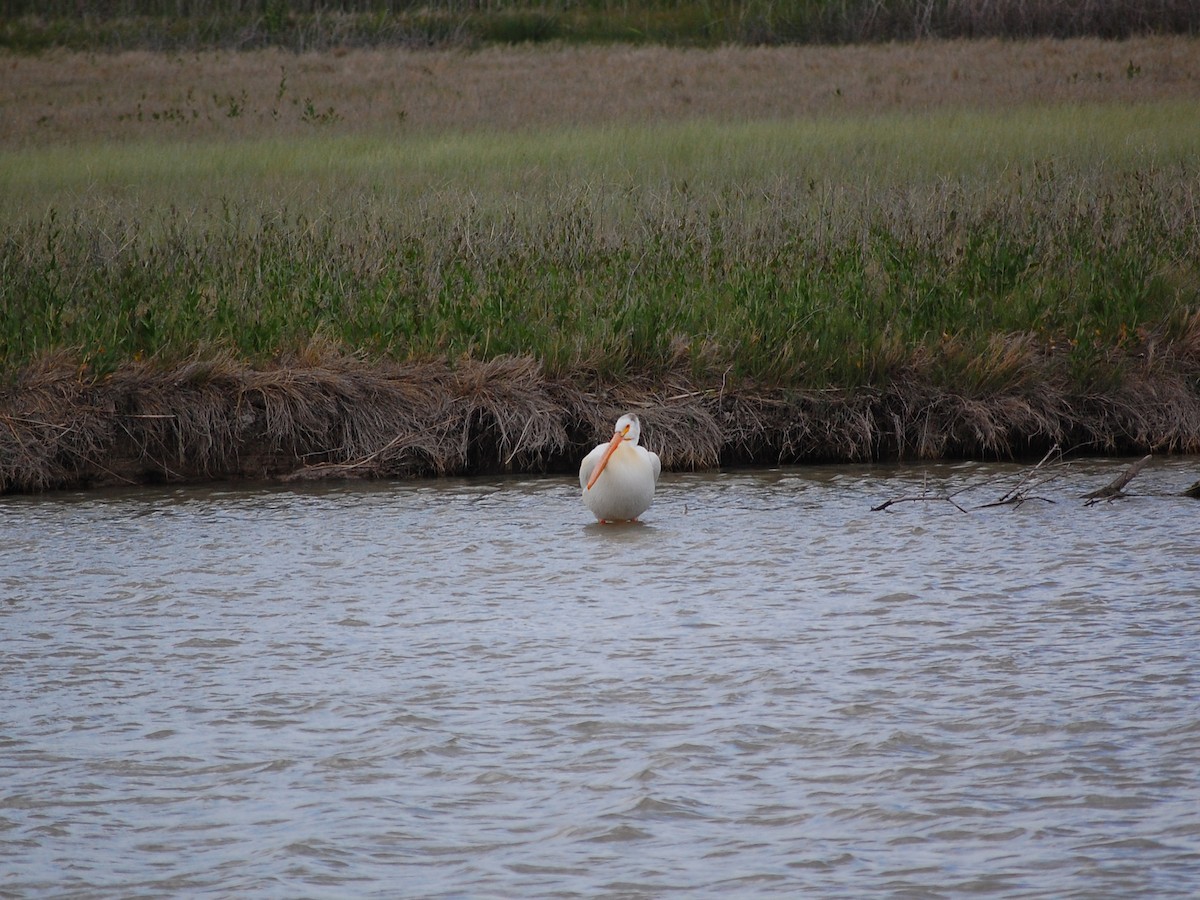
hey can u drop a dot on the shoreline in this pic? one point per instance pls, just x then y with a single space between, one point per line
216 420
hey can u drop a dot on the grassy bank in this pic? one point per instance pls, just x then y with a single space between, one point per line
320 25
928 279
821 252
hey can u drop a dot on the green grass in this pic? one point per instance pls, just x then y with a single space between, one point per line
837 251
888 150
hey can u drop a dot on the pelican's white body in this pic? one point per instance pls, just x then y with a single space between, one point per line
625 488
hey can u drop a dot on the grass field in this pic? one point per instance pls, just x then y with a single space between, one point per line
57 97
817 248
808 219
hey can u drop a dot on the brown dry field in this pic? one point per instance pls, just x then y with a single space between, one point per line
62 97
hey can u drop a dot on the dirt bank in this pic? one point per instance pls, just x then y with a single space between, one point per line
340 417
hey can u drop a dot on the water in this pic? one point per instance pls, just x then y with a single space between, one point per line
463 689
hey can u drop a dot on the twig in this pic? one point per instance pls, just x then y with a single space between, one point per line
940 498
519 443
925 498
1030 480
10 419
707 392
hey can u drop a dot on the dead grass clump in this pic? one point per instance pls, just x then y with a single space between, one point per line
1003 398
1005 425
1148 410
171 425
505 417
393 420
51 426
780 426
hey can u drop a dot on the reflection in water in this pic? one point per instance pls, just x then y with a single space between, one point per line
469 688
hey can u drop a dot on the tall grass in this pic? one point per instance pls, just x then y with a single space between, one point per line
320 24
832 252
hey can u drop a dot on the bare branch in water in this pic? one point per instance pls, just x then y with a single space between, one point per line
1033 479
1115 489
1050 468
926 498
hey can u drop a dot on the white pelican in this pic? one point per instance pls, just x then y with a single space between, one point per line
629 472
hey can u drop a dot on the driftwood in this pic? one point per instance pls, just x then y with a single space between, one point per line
1034 478
1020 493
925 498
1050 468
1115 489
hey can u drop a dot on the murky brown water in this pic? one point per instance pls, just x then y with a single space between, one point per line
463 689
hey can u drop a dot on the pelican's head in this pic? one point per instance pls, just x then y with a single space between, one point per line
629 428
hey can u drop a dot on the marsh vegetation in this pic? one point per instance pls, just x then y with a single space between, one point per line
773 253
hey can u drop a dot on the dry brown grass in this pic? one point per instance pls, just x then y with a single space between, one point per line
63 96
325 415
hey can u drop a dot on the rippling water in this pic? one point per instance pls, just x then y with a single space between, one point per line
464 689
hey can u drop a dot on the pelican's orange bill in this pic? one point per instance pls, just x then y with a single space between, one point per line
612 448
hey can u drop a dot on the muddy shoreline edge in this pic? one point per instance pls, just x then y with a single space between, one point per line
213 420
